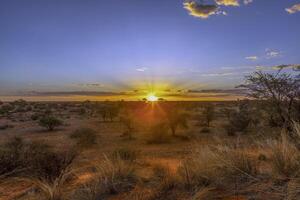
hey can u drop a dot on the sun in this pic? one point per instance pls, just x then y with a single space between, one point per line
152 97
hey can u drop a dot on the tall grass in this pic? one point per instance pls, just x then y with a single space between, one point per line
285 156
217 165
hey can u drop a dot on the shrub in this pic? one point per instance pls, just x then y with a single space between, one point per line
33 159
176 118
11 156
128 121
50 122
85 137
158 134
205 130
34 116
6 108
209 114
125 154
5 126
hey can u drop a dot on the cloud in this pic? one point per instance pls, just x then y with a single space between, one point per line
272 53
292 66
228 2
142 69
295 8
253 58
201 10
91 84
246 2
218 74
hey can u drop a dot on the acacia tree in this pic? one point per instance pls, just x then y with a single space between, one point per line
278 91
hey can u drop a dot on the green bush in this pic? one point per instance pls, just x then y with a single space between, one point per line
50 122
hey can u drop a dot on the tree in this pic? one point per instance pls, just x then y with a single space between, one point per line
209 113
50 122
176 118
279 92
113 112
128 121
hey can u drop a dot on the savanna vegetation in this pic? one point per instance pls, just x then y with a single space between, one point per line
244 149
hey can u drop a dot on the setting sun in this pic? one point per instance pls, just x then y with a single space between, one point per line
152 97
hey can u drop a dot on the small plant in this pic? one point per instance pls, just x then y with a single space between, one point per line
50 122
85 137
125 154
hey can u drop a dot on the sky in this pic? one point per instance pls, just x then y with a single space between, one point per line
140 46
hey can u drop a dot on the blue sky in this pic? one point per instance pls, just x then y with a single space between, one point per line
122 45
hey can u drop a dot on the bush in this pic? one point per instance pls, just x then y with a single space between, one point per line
158 134
11 156
205 130
33 159
85 137
6 108
5 126
50 122
34 116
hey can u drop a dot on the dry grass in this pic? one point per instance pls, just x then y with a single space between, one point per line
209 166
285 159
111 176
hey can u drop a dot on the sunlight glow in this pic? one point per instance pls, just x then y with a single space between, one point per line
152 97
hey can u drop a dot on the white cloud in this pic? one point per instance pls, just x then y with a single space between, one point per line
295 8
253 58
246 2
272 53
142 69
200 10
228 2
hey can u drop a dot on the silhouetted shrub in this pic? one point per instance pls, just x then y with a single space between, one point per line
36 160
5 126
11 156
50 122
128 121
34 116
6 108
205 130
209 114
158 134
85 137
